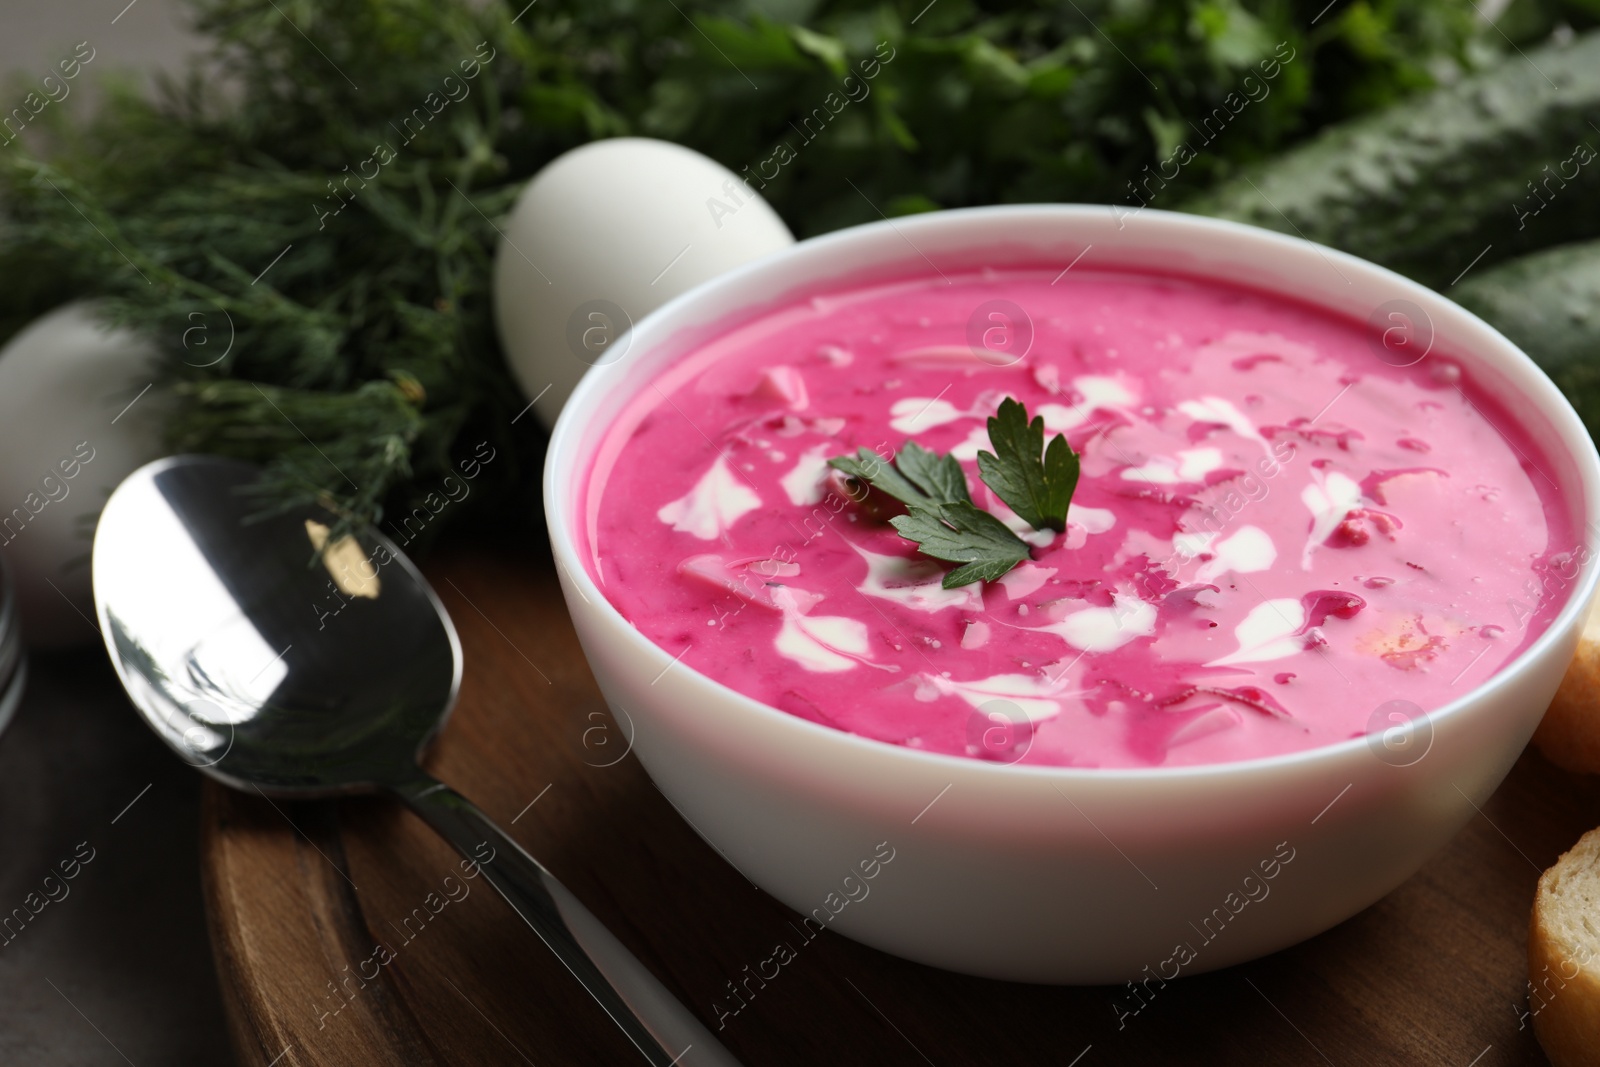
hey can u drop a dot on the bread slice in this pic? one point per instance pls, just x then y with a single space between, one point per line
1564 957
1569 736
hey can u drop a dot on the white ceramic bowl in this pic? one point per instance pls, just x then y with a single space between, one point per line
1054 874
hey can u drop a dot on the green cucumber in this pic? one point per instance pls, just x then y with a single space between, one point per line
1548 303
1504 160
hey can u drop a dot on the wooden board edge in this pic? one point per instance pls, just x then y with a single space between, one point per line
243 839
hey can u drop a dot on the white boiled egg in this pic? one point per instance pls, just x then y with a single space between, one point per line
75 419
605 234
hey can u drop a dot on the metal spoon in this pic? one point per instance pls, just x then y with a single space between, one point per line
294 679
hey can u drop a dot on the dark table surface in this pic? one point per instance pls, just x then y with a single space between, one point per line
115 966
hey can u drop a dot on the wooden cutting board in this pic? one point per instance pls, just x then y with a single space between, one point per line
299 895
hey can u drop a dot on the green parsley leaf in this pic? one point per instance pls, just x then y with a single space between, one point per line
1037 490
941 477
917 477
961 533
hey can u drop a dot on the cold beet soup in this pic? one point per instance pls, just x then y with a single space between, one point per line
1274 532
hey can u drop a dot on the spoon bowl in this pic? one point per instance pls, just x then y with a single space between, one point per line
257 658
278 659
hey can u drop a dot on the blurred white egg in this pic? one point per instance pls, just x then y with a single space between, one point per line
605 234
68 436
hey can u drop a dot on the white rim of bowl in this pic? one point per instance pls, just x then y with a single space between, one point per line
1545 396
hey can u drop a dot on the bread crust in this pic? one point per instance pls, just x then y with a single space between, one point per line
1569 735
1564 978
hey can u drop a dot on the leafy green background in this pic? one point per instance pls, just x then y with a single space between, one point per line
373 336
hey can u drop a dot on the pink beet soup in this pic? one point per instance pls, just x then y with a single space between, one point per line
1278 537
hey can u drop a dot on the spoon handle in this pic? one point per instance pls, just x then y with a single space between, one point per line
658 1024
